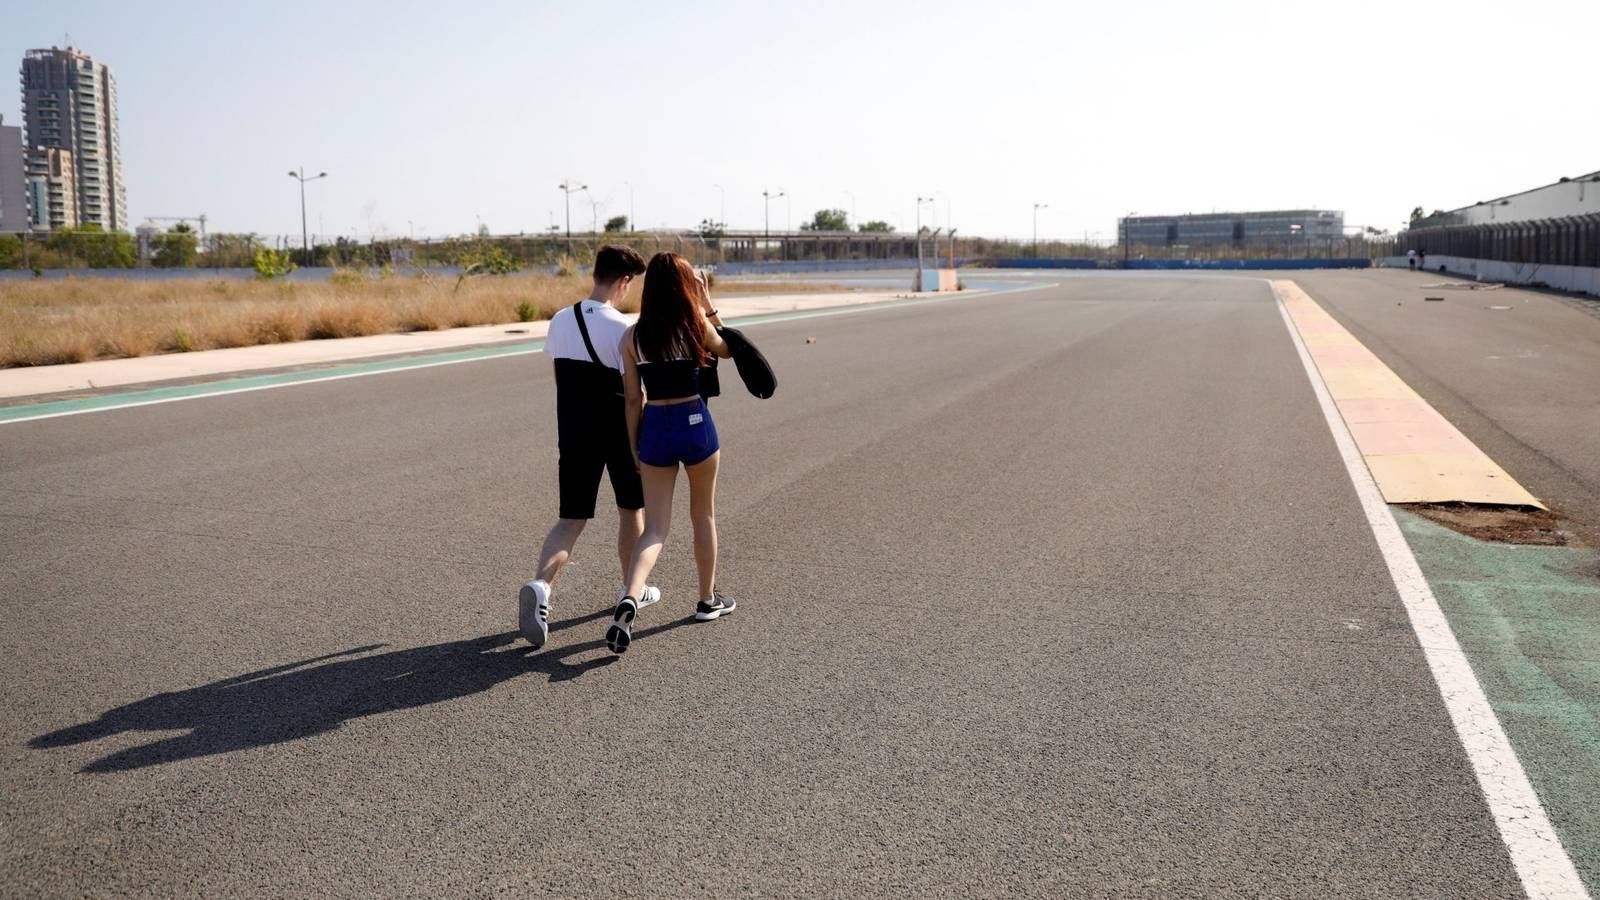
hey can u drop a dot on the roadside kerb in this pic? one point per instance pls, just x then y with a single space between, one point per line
1415 454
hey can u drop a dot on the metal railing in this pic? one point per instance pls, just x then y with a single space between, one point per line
1571 241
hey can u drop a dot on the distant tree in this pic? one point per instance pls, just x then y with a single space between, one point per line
710 229
230 251
876 227
827 220
1416 213
93 247
176 249
10 251
483 230
617 223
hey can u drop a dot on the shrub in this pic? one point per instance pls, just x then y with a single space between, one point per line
527 312
270 263
566 266
278 326
347 277
488 259
341 321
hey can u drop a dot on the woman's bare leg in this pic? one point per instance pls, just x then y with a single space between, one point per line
703 513
658 484
630 524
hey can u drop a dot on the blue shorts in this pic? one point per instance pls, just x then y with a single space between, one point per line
677 433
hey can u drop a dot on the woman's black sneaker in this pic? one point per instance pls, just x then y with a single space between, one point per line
717 606
620 634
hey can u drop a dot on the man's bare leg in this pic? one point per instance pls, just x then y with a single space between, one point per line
558 546
533 602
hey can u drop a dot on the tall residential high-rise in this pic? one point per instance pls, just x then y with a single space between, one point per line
52 189
13 181
69 101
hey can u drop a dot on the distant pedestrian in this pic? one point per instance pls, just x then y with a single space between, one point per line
1422 260
1411 259
670 426
591 433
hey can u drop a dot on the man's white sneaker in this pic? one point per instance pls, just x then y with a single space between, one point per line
533 612
620 634
650 595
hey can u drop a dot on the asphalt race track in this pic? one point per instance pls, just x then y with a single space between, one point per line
1056 592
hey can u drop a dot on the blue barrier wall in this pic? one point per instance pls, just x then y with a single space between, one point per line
1048 263
1248 264
1233 264
822 265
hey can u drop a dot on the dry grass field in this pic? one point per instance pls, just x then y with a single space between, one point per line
76 319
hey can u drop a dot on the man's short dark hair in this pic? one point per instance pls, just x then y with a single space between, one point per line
612 263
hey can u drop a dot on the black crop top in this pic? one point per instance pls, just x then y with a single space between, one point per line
671 379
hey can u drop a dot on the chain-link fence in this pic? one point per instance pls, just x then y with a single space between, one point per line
180 249
74 249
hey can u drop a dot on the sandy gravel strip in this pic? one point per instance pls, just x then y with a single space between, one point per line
1414 454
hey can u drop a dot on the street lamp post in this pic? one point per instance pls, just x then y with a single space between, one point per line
920 200
766 214
594 212
305 234
568 190
950 231
1036 208
722 213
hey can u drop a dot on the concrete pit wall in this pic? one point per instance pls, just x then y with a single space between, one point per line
1578 279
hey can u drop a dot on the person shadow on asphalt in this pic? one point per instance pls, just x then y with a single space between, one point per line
312 696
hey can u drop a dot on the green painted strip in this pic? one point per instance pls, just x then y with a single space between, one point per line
256 382
247 383
1528 619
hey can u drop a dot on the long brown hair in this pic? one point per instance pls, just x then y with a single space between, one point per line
669 312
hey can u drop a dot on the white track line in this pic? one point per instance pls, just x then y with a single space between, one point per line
1541 862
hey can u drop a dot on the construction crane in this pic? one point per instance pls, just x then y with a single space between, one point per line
185 220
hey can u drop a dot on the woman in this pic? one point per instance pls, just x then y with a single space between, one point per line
669 425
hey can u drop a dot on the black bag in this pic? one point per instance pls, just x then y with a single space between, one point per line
753 368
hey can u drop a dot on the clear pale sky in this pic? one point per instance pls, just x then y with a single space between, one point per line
448 114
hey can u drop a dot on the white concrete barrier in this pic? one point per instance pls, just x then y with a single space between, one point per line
1579 279
937 280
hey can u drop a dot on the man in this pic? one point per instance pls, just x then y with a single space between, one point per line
592 433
